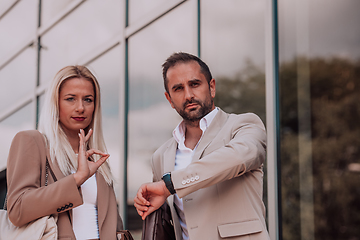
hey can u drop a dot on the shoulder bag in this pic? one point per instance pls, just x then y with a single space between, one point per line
44 228
124 235
159 225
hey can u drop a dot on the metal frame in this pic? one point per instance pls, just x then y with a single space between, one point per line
273 120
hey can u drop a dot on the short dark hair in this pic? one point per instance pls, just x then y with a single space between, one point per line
182 57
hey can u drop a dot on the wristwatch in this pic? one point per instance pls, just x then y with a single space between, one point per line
168 183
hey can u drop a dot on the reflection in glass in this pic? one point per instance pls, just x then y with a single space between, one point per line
20 120
233 45
319 105
151 118
18 78
106 69
84 29
17 26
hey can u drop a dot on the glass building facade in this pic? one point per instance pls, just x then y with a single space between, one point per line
295 63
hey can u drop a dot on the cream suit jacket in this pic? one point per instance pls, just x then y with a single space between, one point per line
222 188
28 197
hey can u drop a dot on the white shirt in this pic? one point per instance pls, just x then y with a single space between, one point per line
85 216
184 157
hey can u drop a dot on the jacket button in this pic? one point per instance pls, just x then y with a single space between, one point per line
192 179
62 208
197 177
183 182
70 205
188 180
58 210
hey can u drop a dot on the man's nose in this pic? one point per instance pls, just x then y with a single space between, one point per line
188 93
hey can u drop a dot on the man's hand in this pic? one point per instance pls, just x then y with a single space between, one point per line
150 197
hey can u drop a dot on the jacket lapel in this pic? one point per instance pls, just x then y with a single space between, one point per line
102 198
54 167
57 172
169 157
210 133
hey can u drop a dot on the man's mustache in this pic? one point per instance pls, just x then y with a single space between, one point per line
187 102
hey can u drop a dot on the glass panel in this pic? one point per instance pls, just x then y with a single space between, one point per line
20 120
5 4
106 69
14 83
140 8
50 8
87 27
14 29
151 118
233 45
319 105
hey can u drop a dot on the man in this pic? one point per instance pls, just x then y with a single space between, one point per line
210 172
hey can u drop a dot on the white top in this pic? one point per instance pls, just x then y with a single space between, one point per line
183 158
85 216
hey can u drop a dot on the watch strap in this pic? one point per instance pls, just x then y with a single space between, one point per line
168 183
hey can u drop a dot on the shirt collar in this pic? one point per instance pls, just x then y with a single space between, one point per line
179 131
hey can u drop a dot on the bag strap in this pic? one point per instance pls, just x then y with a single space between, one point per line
47 169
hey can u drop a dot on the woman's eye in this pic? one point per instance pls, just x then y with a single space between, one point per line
90 100
69 99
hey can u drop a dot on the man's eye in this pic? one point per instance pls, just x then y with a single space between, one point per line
177 89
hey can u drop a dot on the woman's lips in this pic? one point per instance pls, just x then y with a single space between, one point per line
79 118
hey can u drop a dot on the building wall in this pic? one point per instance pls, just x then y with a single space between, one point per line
124 43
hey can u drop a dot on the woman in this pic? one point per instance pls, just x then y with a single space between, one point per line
72 140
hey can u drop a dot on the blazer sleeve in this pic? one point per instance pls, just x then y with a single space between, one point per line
27 200
242 152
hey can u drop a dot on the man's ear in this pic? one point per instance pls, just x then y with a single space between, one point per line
167 95
212 86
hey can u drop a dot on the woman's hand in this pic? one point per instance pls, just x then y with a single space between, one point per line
87 168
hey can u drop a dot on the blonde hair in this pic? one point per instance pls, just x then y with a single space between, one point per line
60 148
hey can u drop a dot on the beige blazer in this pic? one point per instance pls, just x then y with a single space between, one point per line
222 188
29 198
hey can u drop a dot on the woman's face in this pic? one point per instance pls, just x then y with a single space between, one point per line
76 105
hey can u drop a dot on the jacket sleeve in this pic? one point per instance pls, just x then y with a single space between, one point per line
242 152
27 200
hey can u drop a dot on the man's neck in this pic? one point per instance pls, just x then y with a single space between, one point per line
192 134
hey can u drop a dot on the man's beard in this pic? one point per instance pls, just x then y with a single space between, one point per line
196 114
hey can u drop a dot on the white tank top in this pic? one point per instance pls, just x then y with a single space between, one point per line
85 217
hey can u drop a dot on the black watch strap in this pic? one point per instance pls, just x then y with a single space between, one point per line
168 183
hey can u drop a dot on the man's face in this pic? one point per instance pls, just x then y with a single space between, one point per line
189 93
